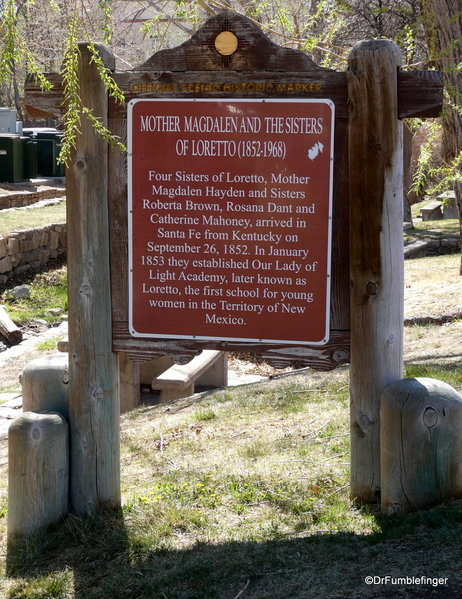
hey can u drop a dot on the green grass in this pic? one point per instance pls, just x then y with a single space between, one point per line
249 490
450 373
47 345
203 415
48 290
433 229
29 218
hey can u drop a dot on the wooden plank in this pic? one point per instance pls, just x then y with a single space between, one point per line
118 240
218 84
376 252
325 357
118 222
254 51
93 378
49 101
340 284
419 92
180 377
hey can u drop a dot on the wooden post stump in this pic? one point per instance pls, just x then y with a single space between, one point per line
44 383
421 444
38 472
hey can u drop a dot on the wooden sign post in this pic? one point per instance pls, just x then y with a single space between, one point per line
224 133
93 377
375 146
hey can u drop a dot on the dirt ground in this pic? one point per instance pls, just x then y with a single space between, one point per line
432 315
433 296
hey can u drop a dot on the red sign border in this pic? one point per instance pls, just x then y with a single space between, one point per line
139 335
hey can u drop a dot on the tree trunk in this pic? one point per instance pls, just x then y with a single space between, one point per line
444 33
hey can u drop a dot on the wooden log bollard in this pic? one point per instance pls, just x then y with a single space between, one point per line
421 444
38 472
44 383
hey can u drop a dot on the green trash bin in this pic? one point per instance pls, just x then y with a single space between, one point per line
48 149
11 159
30 158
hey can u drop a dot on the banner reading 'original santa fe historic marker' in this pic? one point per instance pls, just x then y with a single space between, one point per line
230 219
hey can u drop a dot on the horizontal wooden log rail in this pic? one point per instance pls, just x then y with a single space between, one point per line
419 92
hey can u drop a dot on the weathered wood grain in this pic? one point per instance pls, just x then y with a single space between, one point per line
38 472
8 329
218 84
255 51
376 251
118 222
421 445
45 385
340 282
93 378
50 101
419 92
325 357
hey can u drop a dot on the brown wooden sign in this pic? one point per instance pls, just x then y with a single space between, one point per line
229 219
242 64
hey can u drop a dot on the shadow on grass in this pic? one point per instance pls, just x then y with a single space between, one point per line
28 277
106 557
433 230
427 368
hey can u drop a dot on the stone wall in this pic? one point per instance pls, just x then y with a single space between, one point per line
432 247
22 251
438 247
24 197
